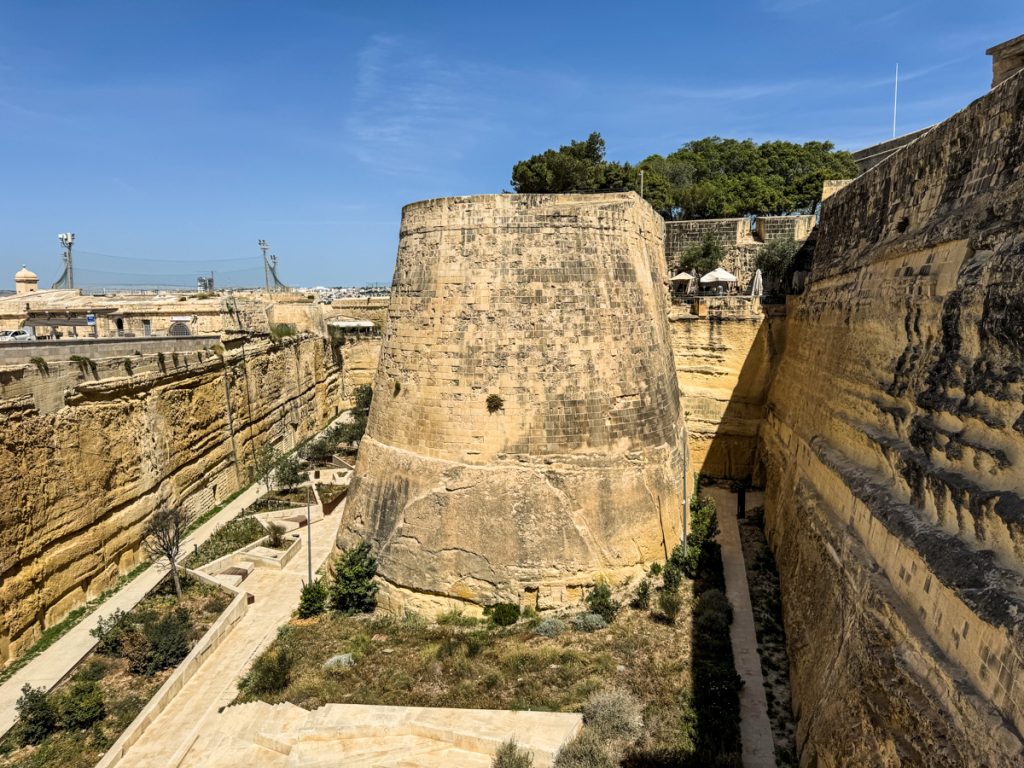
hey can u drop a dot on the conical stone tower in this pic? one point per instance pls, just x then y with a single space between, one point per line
525 435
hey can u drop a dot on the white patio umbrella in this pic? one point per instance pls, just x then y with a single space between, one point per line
757 287
719 275
682 277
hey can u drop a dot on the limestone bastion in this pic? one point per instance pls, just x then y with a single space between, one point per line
525 435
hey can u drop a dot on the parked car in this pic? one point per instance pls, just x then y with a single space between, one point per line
21 334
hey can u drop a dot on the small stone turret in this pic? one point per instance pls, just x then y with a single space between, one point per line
25 281
526 434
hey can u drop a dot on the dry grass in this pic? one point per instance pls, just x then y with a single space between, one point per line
411 663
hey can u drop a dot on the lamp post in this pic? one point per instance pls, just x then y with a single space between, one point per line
309 540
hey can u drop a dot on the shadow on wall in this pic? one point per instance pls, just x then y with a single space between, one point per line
732 453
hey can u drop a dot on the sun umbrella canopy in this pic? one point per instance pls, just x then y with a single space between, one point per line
682 276
757 287
719 276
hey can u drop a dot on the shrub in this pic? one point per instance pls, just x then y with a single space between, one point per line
504 614
41 365
714 601
82 705
313 600
170 639
671 578
288 472
275 536
319 451
599 600
550 628
655 569
352 589
670 604
585 751
455 618
397 388
642 596
613 714
509 755
109 632
495 403
589 622
36 714
271 673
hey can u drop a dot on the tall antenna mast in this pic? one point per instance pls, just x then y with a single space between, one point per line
67 239
266 269
895 97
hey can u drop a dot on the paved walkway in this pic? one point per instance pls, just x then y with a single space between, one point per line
756 728
194 710
49 667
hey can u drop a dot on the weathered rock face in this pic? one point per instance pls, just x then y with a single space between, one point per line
894 457
554 308
87 457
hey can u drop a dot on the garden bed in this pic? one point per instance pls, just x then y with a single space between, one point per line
114 682
233 535
766 600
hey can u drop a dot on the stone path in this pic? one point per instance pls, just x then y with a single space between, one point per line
758 744
49 667
194 711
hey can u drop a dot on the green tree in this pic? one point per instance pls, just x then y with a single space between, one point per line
288 472
36 713
703 257
265 460
775 261
578 166
352 589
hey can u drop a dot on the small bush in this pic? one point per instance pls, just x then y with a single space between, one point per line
509 755
397 388
550 628
495 403
670 604
504 614
455 618
82 705
109 632
275 536
585 751
613 714
714 601
642 596
37 716
313 600
41 365
352 589
599 600
271 673
589 622
671 578
655 569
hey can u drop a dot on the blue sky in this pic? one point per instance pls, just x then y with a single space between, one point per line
189 130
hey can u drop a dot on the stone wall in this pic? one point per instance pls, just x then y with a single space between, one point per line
556 306
784 228
88 456
894 456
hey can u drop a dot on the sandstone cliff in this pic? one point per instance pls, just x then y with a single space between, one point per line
525 428
87 455
894 456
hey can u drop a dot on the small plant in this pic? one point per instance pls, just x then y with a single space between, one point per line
174 359
670 604
550 628
271 673
655 569
109 632
82 705
588 622
509 755
504 614
41 365
313 600
642 596
275 536
398 387
352 589
161 362
585 751
671 578
455 618
279 331
85 365
614 715
599 600
495 403
37 716
127 363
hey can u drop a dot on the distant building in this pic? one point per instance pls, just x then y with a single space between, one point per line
25 281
